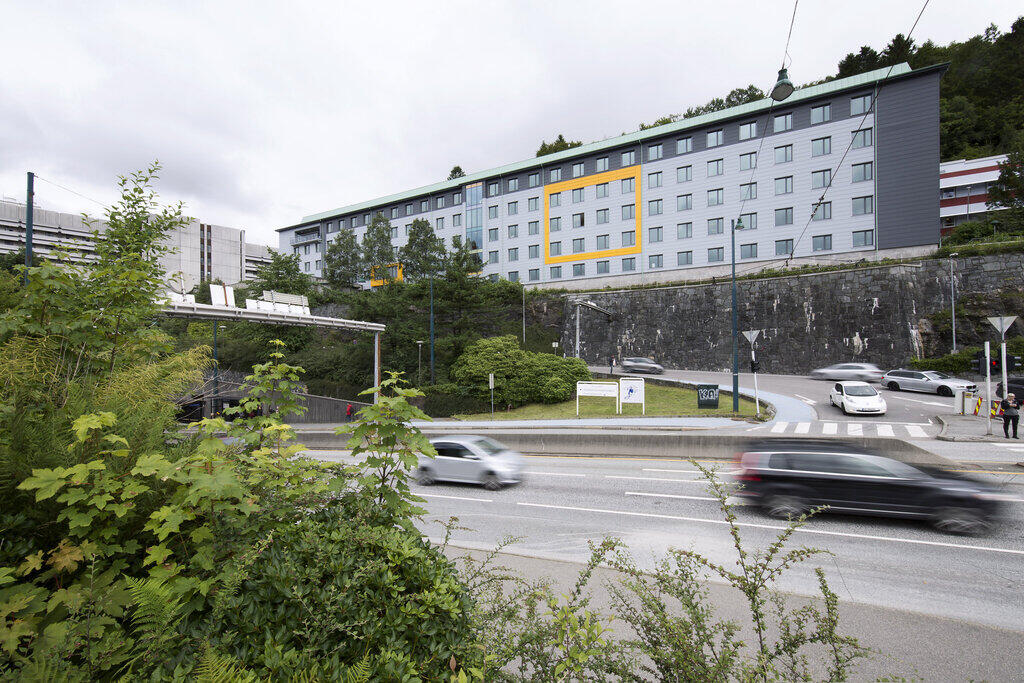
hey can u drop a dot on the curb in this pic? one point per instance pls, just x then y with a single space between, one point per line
943 436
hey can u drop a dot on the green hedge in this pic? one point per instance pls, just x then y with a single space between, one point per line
445 400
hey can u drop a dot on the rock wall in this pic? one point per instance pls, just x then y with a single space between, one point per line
881 314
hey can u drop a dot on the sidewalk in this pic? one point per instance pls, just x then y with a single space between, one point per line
970 428
909 644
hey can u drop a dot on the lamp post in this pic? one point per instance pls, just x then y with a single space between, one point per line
952 298
733 227
432 380
419 362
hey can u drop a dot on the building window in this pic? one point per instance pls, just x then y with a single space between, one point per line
684 174
748 130
394 212
716 226
749 221
748 161
716 254
556 272
602 164
554 175
602 190
820 179
783 247
862 172
424 205
629 238
492 189
823 212
684 258
534 251
305 266
628 264
577 220
602 267
555 199
577 169
456 198
783 122
319 264
862 138
716 167
533 204
864 238
684 231
457 220
579 269
577 195
863 205
533 180
394 235
654 180
533 227
716 197
513 184
784 216
655 261
534 274
821 146
684 145
654 207
748 250
555 248
602 242
655 235
602 216
821 113
555 224
513 254
628 185
860 105
305 249
439 223
439 202
821 243
783 154
513 276
492 257
748 191
784 185
684 202
513 231
628 158
654 152
492 235
715 138
628 211
492 211
513 208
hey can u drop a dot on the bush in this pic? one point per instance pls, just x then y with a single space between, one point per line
952 363
556 390
445 400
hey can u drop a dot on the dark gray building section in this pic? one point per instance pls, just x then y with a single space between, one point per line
907 160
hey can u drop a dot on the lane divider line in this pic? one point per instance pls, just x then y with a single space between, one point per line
668 495
616 476
553 474
438 495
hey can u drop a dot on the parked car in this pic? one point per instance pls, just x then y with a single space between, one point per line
1016 387
470 460
641 365
864 372
858 398
928 381
789 478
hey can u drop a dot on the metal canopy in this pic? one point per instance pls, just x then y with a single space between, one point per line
177 309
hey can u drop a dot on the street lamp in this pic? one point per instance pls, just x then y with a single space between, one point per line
419 362
952 297
783 86
733 227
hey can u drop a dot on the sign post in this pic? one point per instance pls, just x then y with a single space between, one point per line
751 336
606 389
988 385
490 383
631 390
1003 323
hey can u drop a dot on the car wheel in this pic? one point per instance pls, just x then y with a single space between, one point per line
425 477
892 386
962 521
491 482
830 401
944 391
842 406
784 507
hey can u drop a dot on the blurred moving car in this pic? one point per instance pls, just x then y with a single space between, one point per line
641 365
864 372
789 478
1016 387
927 381
858 398
470 460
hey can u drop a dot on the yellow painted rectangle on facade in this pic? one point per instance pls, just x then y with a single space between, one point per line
377 282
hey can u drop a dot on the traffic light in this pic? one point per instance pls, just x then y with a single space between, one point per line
755 365
1011 363
979 363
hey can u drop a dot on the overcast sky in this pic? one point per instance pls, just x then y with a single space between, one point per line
263 112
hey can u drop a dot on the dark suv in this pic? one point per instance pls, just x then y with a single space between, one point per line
788 479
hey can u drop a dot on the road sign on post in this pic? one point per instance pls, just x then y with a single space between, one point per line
606 389
631 390
490 383
751 336
1003 323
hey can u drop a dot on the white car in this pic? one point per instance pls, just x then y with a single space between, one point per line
857 398
470 460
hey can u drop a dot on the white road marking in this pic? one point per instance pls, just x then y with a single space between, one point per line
438 495
553 474
614 476
779 427
776 527
915 400
668 495
655 469
754 429
829 428
805 399
855 429
916 431
802 428
885 430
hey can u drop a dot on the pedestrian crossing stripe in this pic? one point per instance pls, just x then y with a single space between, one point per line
890 430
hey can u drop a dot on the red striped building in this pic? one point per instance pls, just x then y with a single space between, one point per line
963 189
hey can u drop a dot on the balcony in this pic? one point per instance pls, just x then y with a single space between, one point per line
302 238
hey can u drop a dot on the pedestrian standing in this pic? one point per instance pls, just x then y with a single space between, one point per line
611 365
1011 415
348 413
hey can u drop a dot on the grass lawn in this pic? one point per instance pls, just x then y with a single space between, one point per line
662 401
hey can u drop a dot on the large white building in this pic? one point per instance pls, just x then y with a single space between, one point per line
199 251
964 187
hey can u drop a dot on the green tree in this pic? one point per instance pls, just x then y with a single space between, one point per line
900 49
424 253
1008 190
378 252
343 262
456 172
282 275
462 262
859 62
560 144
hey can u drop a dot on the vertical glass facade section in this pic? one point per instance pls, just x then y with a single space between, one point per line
475 216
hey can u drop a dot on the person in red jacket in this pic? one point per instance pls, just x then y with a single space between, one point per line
348 412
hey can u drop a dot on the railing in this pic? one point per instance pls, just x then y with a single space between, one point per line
307 237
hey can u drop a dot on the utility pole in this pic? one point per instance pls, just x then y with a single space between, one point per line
952 298
432 379
524 316
216 372
30 201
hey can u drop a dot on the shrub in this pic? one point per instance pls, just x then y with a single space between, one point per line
556 390
445 400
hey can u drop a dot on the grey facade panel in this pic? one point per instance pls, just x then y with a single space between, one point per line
907 160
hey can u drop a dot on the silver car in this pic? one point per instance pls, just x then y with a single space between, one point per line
470 460
641 365
862 372
927 381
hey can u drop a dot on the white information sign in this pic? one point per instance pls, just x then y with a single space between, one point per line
490 380
605 389
631 390
222 295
